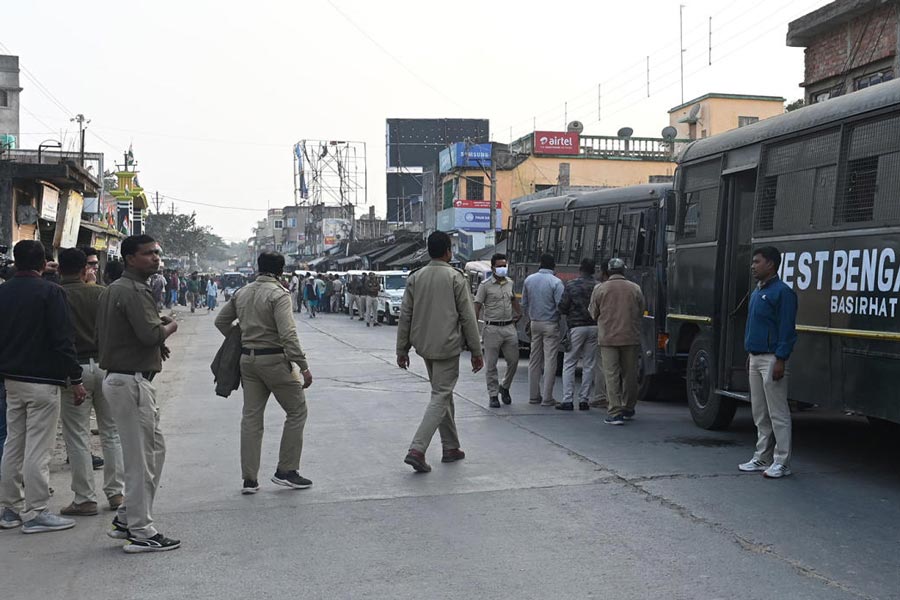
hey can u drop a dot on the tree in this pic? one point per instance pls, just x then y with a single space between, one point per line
179 235
794 105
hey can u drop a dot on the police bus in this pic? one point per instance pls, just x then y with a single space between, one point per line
822 184
629 223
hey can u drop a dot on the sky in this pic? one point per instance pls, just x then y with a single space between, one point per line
212 95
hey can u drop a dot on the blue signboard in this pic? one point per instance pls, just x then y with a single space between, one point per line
471 219
466 155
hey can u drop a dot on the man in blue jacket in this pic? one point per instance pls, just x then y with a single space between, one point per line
37 358
770 338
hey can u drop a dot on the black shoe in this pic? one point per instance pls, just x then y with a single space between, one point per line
565 406
628 415
494 403
291 479
583 406
97 462
119 530
416 460
504 395
617 420
157 543
251 486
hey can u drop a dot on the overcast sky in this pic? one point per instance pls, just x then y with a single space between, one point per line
213 94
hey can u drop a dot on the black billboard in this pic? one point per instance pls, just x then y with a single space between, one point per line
417 142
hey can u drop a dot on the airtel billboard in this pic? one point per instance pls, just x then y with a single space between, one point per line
556 142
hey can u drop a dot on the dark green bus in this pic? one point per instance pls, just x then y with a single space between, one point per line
822 184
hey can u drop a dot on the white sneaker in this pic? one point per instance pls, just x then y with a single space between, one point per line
777 471
753 466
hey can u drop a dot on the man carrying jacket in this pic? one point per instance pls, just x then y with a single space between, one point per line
37 359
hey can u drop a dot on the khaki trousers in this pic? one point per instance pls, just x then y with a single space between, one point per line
262 376
440 414
32 412
584 344
499 340
599 377
132 401
542 362
371 304
620 368
76 428
771 412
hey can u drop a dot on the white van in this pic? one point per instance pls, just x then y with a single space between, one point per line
393 285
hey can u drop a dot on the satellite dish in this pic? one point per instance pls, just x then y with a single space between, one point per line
696 112
669 133
575 126
625 132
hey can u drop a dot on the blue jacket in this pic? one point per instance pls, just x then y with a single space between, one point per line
772 319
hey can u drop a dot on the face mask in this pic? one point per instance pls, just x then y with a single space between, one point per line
501 271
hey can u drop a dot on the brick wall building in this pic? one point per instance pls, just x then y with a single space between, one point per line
850 45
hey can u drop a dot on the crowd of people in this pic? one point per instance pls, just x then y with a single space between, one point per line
194 290
325 293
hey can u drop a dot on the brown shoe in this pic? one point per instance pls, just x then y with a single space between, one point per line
116 501
453 455
416 460
85 509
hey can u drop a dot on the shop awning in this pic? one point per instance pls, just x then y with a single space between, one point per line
348 260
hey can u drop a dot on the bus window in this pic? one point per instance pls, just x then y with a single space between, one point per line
870 182
698 206
606 229
631 224
577 238
562 244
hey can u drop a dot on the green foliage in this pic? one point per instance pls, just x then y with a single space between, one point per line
794 105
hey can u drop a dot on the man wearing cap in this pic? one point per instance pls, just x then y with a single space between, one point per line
618 306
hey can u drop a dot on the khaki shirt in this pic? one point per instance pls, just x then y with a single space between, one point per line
129 331
618 307
84 299
437 314
496 298
265 314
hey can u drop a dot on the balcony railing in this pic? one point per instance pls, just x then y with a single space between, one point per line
612 147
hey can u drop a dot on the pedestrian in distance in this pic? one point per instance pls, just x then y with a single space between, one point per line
371 289
329 293
295 290
436 318
582 336
496 302
84 302
618 307
193 291
769 341
272 363
131 337
37 359
541 294
92 275
310 299
212 294
337 298
319 290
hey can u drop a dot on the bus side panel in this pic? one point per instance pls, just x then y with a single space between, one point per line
693 273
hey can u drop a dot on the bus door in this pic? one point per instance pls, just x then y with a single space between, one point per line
636 246
740 190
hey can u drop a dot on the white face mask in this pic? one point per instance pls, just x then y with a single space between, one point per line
501 271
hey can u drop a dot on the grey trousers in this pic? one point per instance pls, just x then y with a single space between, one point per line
371 304
542 362
771 412
32 412
132 400
620 367
261 377
584 344
440 414
76 427
500 340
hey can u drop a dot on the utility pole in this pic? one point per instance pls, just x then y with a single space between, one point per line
492 236
82 122
681 46
157 202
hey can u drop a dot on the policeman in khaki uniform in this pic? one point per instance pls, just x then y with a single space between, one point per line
131 337
436 317
269 365
501 310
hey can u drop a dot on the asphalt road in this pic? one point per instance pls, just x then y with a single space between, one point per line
547 504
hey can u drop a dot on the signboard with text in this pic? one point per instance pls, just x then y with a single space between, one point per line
556 142
461 154
472 219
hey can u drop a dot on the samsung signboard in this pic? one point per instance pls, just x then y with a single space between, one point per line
466 155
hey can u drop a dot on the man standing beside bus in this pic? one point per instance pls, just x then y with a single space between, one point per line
769 340
541 294
576 300
501 311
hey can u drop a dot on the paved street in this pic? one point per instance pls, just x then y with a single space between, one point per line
546 505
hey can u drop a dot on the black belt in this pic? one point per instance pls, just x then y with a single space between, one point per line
760 353
148 375
261 351
499 323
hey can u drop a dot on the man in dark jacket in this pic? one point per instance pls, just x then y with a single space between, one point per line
37 358
582 336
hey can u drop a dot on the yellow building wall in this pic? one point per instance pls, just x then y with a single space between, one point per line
718 115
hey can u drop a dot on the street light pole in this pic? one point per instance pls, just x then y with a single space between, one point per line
493 221
82 122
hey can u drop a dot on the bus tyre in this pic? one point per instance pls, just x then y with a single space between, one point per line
708 409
